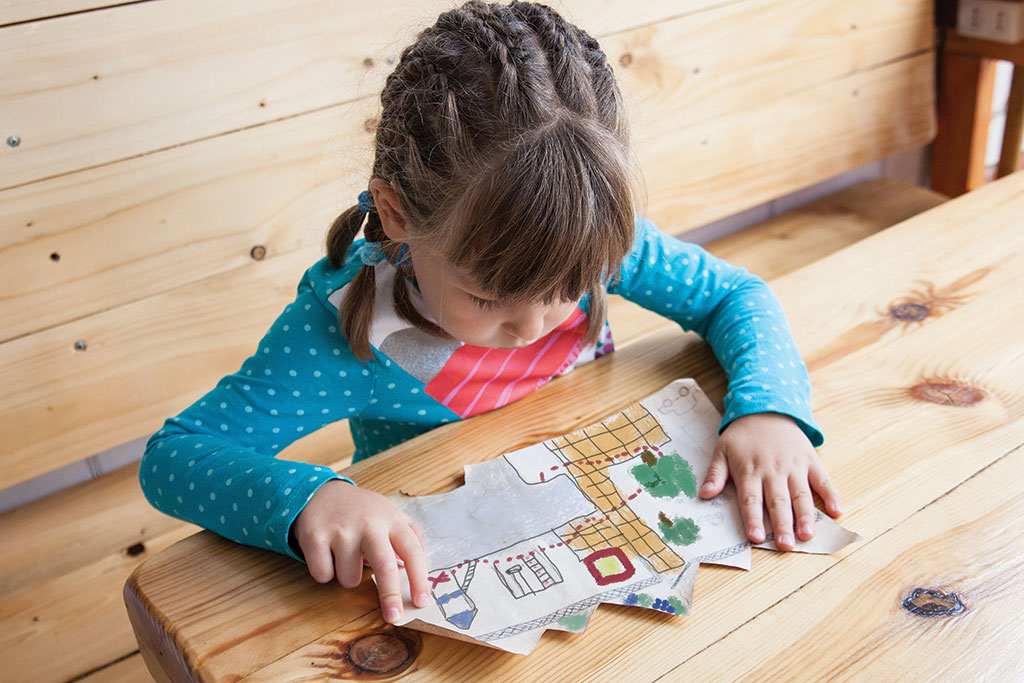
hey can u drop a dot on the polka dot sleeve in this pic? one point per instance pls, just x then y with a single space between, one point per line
734 311
215 465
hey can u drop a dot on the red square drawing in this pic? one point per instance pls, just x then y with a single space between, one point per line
609 566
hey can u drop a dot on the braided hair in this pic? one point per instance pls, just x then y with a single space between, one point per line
503 135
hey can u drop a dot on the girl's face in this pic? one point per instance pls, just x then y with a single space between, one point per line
464 311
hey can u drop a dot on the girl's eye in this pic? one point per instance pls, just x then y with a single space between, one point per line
483 303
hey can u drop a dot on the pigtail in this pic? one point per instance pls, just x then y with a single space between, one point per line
356 311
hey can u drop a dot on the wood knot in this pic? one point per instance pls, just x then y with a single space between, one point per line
368 62
370 125
911 312
258 253
626 59
135 550
950 393
381 653
930 603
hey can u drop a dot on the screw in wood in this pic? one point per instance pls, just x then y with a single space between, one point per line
13 141
80 345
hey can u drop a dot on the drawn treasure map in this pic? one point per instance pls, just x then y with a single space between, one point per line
537 538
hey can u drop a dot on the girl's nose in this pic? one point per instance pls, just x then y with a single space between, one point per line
527 325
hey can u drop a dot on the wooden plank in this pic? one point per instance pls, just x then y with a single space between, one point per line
963 544
74 623
687 70
81 233
143 362
802 236
828 129
16 11
131 669
136 87
870 398
123 232
965 112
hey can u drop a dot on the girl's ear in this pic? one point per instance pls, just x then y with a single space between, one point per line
392 220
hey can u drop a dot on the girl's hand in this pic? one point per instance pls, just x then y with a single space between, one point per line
342 524
771 463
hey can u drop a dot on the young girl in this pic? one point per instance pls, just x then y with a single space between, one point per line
499 214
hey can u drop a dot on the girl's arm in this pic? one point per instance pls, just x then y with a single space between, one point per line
215 464
734 311
767 435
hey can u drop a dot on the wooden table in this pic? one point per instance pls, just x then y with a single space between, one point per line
915 341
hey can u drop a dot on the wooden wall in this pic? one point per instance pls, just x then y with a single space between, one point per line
179 162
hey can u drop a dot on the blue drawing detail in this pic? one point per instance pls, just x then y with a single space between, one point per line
448 586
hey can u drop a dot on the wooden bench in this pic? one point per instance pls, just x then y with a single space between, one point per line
160 199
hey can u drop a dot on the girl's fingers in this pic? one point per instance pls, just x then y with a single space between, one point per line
780 507
348 564
823 485
411 551
718 474
318 559
803 506
751 506
381 555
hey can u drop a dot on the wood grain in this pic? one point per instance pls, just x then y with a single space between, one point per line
964 544
694 175
890 454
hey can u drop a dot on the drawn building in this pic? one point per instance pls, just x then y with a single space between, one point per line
528 574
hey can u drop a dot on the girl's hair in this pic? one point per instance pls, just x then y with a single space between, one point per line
504 136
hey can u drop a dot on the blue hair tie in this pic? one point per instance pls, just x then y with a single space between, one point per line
365 202
371 254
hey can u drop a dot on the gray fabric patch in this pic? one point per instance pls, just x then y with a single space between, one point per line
420 354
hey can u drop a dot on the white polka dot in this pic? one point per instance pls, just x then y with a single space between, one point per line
398 405
286 328
341 373
391 386
213 496
267 372
249 493
316 373
366 373
245 531
223 427
288 491
271 392
222 519
422 412
284 513
312 352
291 471
267 480
202 509
415 390
313 478
307 328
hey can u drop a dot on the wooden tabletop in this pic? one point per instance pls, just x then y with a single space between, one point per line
915 342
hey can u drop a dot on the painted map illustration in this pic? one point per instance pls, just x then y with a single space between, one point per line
538 538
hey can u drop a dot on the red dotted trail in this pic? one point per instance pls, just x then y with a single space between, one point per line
589 520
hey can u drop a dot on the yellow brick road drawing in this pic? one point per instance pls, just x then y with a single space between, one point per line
587 455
